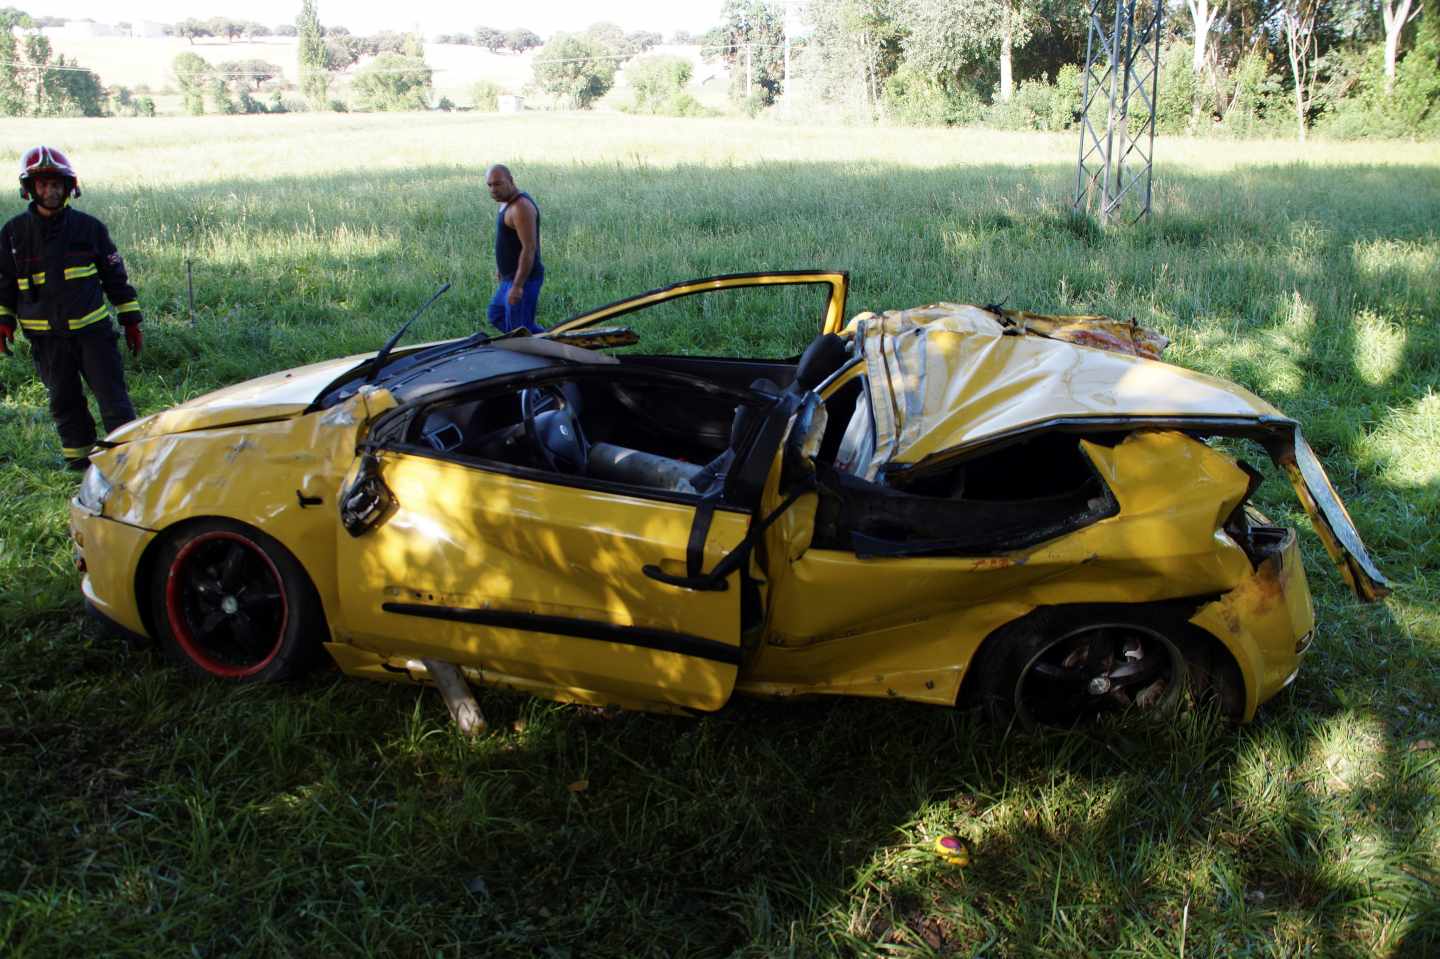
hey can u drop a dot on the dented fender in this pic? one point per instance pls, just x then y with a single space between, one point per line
280 476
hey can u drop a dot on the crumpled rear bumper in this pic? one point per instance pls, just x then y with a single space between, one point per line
1267 623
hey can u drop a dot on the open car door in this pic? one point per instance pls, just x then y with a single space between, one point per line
542 573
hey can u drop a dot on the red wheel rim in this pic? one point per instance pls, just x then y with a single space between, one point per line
226 604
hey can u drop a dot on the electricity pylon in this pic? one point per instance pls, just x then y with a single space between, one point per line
1122 80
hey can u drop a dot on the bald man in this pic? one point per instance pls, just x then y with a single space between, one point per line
517 254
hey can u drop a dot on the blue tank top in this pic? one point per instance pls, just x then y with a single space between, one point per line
507 244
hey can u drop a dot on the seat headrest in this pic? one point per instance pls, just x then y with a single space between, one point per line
744 415
825 354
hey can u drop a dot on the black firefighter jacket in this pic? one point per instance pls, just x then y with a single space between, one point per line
56 271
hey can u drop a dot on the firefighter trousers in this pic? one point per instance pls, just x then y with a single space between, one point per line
62 361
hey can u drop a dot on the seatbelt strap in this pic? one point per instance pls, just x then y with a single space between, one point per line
699 532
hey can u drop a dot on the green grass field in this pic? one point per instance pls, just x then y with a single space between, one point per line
143 813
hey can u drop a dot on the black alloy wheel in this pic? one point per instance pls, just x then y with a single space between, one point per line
1099 668
232 603
1064 666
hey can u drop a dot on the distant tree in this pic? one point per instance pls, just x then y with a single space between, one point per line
386 41
225 27
286 30
255 31
313 56
192 72
1396 14
393 82
642 40
684 38
413 46
656 79
43 88
343 50
854 51
947 37
608 35
1203 15
490 38
485 96
751 30
521 40
574 69
249 71
12 92
190 29
1301 45
714 44
78 92
219 93
122 103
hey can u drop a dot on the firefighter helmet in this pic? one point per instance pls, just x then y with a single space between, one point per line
46 161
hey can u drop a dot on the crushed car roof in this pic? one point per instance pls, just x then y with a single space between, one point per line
946 376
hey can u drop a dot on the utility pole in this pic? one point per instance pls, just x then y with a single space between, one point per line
786 88
1115 168
749 72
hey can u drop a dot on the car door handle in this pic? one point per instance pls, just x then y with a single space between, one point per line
707 583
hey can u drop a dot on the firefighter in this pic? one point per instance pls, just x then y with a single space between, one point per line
56 267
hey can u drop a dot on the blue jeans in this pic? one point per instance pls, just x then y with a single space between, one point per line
505 317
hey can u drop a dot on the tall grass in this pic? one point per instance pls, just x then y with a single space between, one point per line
141 812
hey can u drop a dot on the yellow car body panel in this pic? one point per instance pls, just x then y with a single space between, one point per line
110 587
1266 622
470 552
909 627
278 396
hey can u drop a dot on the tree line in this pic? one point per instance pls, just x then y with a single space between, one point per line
1349 67
1238 67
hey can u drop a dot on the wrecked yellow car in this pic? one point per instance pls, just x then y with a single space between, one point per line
950 505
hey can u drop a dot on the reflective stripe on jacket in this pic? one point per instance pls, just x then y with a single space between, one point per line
56 273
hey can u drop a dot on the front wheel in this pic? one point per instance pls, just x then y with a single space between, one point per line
1067 665
233 603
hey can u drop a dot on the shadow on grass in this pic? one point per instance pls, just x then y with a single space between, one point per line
336 814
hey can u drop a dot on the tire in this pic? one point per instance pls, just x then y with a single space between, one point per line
232 603
1064 666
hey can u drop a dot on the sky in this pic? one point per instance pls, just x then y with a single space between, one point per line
429 16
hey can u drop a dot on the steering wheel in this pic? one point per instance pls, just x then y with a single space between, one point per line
552 427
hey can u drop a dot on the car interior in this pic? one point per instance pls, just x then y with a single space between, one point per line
671 427
666 424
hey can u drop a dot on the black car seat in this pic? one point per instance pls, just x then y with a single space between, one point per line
825 354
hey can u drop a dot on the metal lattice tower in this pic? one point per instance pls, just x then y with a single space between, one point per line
1122 79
